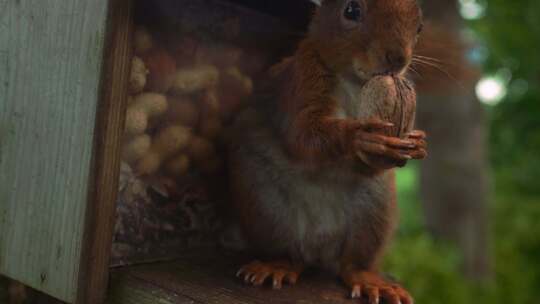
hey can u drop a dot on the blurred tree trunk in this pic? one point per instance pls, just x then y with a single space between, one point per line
454 178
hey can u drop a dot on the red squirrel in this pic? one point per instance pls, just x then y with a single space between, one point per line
303 194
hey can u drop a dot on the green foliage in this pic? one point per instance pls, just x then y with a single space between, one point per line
510 31
515 140
430 270
517 245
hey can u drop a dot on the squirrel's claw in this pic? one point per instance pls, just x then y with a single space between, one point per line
416 134
256 273
374 288
418 154
373 295
356 292
375 124
384 152
420 149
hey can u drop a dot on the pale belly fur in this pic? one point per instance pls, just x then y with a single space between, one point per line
312 211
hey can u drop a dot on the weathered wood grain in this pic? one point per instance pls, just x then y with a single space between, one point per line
210 279
100 215
130 290
51 55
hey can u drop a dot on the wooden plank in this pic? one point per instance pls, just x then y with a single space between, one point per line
50 66
100 218
210 279
126 289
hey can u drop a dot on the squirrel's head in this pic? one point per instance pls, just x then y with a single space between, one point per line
367 37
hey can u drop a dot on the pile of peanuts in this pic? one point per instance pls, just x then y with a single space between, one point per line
182 95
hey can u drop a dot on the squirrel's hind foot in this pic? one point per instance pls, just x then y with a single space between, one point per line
256 273
373 287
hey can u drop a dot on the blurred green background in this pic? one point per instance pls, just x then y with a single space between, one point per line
507 47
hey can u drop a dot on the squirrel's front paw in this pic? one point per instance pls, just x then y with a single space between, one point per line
380 151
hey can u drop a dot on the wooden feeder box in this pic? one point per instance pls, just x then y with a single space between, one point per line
81 219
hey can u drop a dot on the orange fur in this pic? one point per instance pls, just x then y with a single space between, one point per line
313 132
297 169
310 77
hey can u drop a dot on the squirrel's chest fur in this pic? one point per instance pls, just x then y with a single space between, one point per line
308 214
347 93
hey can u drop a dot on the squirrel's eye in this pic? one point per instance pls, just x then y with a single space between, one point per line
353 11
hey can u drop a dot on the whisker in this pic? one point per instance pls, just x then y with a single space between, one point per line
432 60
412 69
427 58
427 63
440 69
433 64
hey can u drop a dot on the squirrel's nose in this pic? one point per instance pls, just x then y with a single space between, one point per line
396 60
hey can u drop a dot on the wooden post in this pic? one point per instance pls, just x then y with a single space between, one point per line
100 216
63 69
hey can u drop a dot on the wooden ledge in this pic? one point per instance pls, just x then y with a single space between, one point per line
211 280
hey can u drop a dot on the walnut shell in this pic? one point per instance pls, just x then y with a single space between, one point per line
391 99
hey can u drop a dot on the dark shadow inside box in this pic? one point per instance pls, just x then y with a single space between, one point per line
195 66
296 14
268 24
